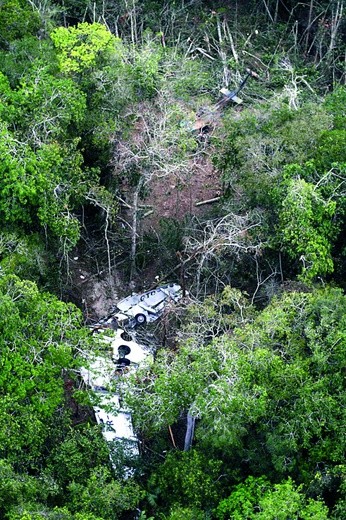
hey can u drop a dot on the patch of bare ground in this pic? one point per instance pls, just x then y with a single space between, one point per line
172 184
85 278
91 289
172 190
175 196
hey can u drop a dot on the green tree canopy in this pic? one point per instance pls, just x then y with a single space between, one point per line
269 392
84 47
39 336
257 499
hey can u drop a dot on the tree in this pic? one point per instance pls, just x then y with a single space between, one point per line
307 228
16 489
186 479
270 393
46 461
40 512
44 186
210 245
17 19
45 109
82 48
256 147
39 335
76 456
104 496
258 499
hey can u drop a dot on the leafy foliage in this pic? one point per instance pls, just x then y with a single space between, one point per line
83 47
38 334
258 499
86 119
190 478
104 496
42 185
306 221
270 394
17 19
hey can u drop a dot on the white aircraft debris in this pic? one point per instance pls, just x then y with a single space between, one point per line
124 356
149 306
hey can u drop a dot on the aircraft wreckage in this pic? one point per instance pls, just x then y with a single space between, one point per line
208 117
125 355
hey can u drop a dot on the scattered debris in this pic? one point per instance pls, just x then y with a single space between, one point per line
208 117
124 356
232 96
98 375
139 309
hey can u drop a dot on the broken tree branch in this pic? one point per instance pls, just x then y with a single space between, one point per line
208 201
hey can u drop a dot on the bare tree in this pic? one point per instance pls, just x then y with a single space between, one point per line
208 241
156 149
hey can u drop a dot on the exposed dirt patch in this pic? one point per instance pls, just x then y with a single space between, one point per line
172 185
176 195
172 190
90 287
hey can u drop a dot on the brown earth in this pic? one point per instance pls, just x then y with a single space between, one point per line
171 196
176 195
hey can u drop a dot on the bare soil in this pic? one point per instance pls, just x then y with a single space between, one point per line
90 288
175 196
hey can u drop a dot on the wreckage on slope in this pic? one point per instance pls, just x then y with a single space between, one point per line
147 307
208 117
103 373
123 356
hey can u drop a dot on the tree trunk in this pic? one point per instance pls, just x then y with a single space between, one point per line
134 227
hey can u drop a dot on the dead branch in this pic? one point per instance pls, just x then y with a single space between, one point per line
208 201
147 213
210 239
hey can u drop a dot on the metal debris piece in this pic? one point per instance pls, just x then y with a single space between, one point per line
147 307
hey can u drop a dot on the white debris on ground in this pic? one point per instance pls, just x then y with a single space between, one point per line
124 356
99 374
116 426
147 307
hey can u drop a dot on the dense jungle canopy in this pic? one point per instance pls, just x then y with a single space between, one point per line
122 166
